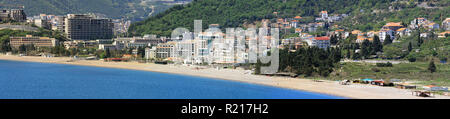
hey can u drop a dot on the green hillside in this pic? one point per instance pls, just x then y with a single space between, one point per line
232 13
400 11
132 9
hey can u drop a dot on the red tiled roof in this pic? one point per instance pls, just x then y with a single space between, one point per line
322 38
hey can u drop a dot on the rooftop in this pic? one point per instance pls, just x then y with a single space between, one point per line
394 24
322 38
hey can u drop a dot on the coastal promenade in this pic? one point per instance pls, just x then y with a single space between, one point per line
358 91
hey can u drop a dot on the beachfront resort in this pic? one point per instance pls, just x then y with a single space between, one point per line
318 53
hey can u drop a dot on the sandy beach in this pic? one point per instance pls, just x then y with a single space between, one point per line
358 91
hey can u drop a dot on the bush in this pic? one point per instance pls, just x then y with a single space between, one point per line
388 64
376 70
443 59
412 59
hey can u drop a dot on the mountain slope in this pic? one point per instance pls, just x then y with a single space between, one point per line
130 9
232 13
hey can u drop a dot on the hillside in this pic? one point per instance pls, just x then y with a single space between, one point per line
131 9
399 11
232 13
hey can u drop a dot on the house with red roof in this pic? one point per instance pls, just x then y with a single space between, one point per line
321 42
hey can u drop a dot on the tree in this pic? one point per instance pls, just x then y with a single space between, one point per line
349 55
22 48
107 53
388 40
410 47
432 67
377 46
419 40
366 49
334 40
130 51
4 46
258 67
356 56
141 52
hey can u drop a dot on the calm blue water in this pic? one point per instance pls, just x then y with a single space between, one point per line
26 80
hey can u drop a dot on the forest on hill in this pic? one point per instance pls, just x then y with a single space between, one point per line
233 13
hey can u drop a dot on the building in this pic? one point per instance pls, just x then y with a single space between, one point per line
134 42
43 23
422 22
403 32
4 15
60 23
104 41
385 32
417 22
203 45
446 24
16 42
121 26
361 39
80 43
150 53
393 26
321 42
185 51
324 14
444 34
17 15
357 32
87 27
165 50
107 47
432 26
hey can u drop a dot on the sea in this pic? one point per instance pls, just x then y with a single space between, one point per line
31 80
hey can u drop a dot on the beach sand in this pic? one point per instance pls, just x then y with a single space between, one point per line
358 91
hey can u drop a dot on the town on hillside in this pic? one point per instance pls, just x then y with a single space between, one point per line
90 36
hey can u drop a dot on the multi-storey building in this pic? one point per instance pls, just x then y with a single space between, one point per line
60 23
165 50
87 27
16 42
384 33
321 42
17 15
150 53
133 42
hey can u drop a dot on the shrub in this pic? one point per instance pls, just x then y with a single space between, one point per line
388 64
443 59
412 59
376 70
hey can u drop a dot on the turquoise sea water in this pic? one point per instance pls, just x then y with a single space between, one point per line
26 80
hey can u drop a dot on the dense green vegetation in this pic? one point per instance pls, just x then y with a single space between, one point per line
310 61
130 9
6 33
233 13
373 18
413 71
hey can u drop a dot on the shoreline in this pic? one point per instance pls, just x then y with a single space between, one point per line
333 88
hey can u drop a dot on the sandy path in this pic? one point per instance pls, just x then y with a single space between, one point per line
359 91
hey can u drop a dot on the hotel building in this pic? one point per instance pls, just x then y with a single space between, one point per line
16 42
87 27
